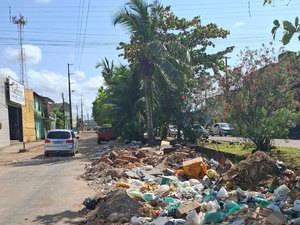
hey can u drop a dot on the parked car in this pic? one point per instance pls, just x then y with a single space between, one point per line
105 134
201 132
221 129
75 130
60 141
172 130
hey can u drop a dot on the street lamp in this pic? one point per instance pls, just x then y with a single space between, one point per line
70 98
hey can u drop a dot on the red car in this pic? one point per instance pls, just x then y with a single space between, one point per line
105 134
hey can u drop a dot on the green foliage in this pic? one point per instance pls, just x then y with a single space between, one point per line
259 97
289 28
168 61
60 118
120 104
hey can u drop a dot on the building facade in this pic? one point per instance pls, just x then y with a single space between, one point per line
29 133
4 121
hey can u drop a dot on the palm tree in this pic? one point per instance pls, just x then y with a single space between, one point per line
147 53
107 69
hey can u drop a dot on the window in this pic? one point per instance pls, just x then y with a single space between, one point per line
58 135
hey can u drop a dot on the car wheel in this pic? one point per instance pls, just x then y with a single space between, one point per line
99 141
73 153
220 133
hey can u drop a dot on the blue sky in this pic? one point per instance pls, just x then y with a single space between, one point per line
81 32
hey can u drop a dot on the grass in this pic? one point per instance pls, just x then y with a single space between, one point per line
290 156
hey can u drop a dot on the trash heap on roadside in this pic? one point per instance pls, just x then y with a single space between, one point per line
145 186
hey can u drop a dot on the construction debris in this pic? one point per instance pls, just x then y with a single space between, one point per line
157 186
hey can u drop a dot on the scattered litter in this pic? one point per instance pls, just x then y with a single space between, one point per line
157 186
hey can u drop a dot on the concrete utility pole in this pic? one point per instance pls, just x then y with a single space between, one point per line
70 98
82 123
21 22
63 108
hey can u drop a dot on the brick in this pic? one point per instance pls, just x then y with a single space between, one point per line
114 155
120 161
132 159
106 160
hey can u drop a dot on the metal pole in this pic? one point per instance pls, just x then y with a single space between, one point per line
70 100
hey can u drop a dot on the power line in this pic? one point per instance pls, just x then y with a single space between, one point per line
83 42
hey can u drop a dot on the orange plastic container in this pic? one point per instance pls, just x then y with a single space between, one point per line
194 168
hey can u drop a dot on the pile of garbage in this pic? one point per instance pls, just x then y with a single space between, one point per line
145 186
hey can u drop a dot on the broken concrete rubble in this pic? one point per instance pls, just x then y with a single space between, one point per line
147 186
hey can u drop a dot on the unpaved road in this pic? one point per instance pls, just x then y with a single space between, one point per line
39 190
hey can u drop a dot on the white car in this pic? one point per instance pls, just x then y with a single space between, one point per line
221 129
60 141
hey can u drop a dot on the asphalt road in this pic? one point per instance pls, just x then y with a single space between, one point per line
45 190
278 142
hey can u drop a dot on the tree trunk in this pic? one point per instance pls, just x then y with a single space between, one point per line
149 108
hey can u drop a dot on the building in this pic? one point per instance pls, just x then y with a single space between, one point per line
4 120
29 133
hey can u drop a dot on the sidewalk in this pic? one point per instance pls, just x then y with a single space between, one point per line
15 147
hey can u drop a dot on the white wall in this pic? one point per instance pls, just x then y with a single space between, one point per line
4 131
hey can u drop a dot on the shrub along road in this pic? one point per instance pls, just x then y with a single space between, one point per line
278 142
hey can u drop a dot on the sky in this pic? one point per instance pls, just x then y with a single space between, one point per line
81 33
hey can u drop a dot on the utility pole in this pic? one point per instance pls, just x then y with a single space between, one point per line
77 118
81 114
21 22
70 98
63 109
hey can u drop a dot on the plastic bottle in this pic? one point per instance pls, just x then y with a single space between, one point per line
214 217
261 202
231 207
281 190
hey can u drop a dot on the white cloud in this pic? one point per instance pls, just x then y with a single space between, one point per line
43 1
33 54
51 84
8 72
80 74
239 24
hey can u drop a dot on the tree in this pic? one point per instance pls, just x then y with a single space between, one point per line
107 69
60 118
289 28
258 95
147 53
120 103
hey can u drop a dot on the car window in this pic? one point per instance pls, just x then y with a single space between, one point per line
59 135
223 125
105 130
